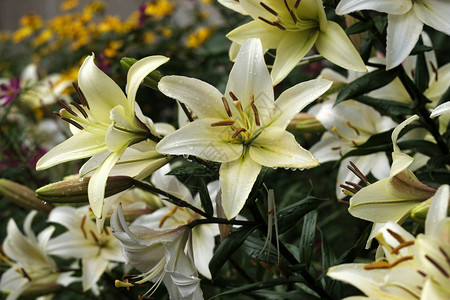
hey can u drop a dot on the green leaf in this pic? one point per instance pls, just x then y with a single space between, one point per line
192 170
380 23
205 198
260 285
366 83
228 247
421 76
358 27
421 49
350 255
253 247
366 46
290 215
387 107
277 295
307 238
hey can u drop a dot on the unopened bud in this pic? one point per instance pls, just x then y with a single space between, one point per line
303 122
420 211
40 289
151 80
75 190
22 195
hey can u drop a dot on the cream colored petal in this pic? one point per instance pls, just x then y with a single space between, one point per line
437 212
437 88
312 10
392 91
237 178
93 268
293 100
327 149
292 48
101 92
374 203
403 31
431 290
275 147
81 145
270 35
335 38
170 184
233 52
200 139
434 13
65 216
387 6
137 73
444 108
72 244
203 248
400 161
249 76
234 5
204 99
97 183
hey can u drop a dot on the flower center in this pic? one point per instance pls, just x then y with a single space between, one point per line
241 127
286 18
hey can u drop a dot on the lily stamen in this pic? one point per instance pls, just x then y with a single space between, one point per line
435 70
70 121
401 246
237 131
24 273
80 95
352 127
396 236
94 236
297 4
274 23
223 123
438 266
255 110
354 185
347 189
83 221
168 215
447 258
227 107
270 10
352 167
386 265
80 109
66 107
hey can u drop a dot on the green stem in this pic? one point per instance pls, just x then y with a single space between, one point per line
213 220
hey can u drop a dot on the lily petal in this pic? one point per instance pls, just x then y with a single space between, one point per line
204 99
293 100
292 48
203 243
98 87
270 35
275 147
200 139
434 13
81 145
237 179
138 72
93 268
335 38
403 32
444 108
400 161
437 212
387 6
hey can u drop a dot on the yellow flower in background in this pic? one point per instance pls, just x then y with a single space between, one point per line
167 32
29 24
198 37
69 4
159 9
45 36
112 49
149 37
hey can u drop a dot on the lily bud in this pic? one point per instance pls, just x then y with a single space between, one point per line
151 80
22 195
75 190
40 289
419 212
303 122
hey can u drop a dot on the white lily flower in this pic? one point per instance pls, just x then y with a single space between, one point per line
243 136
349 124
33 269
442 109
107 120
160 256
83 241
293 28
171 216
391 198
412 268
405 22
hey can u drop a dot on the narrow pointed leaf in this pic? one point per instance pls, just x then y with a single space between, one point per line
387 107
290 215
307 238
205 198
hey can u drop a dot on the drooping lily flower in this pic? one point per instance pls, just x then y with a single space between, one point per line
405 22
33 269
171 216
247 133
349 124
107 121
293 28
160 256
407 268
83 241
391 198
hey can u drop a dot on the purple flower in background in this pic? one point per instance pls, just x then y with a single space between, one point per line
9 92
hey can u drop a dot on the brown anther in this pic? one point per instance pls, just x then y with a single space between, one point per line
255 110
223 123
401 246
297 3
227 107
447 258
422 273
80 109
435 70
67 108
25 274
400 260
377 265
356 186
352 167
354 143
266 266
396 236
348 188
94 236
343 202
83 221
68 120
105 230
237 131
270 10
294 18
412 73
233 96
352 127
274 23
80 95
336 148
438 266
